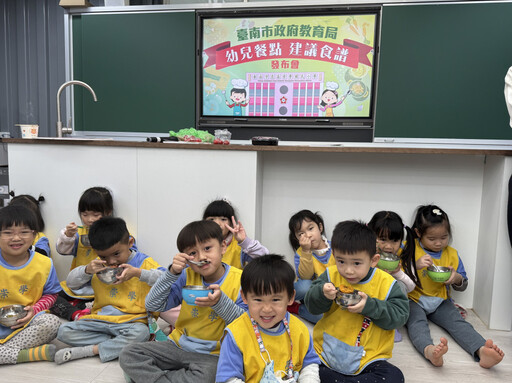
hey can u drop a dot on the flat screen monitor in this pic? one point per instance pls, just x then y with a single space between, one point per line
297 73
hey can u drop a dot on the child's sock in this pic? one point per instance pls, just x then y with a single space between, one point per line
398 336
72 353
35 354
80 313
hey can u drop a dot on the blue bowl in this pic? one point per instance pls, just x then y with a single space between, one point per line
190 293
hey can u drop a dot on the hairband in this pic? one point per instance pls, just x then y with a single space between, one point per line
437 212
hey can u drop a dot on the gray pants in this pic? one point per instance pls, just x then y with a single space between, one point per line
448 317
164 362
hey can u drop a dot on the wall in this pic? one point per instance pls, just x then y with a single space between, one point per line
33 69
356 185
157 191
494 249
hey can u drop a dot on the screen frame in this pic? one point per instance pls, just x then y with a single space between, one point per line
289 128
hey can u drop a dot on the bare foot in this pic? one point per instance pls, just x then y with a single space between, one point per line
490 354
435 353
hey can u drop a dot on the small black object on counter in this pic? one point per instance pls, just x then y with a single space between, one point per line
161 139
262 140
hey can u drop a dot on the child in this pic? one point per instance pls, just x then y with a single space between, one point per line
240 248
354 343
95 202
41 242
389 229
192 353
312 255
431 300
26 278
267 340
118 316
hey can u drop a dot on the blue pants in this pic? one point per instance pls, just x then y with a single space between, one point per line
301 288
379 371
110 337
448 317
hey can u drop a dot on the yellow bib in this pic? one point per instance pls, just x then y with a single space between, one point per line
278 346
203 322
449 257
84 252
39 235
319 266
127 297
345 326
24 286
233 254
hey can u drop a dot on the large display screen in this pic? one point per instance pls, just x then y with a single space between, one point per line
287 68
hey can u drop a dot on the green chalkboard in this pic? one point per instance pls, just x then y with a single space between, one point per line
442 70
141 66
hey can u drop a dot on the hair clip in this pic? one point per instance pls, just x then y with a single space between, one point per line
227 201
437 212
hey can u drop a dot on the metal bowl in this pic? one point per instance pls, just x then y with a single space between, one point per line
438 273
191 292
388 261
10 314
347 299
109 275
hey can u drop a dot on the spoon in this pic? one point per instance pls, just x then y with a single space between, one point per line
200 263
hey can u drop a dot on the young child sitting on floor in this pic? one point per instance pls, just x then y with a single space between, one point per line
267 341
118 316
27 278
354 342
192 353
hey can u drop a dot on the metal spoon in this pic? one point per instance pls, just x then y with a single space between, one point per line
200 263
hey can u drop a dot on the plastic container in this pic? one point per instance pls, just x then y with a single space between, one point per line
222 137
29 130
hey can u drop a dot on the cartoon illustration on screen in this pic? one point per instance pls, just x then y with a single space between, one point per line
330 99
238 96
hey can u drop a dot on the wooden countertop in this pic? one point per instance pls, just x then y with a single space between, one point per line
349 147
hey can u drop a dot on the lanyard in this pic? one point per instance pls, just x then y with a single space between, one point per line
366 323
289 367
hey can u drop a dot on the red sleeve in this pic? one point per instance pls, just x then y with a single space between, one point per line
45 302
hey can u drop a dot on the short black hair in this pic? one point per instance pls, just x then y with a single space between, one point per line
107 231
17 215
33 204
97 198
387 224
219 208
353 236
268 274
198 232
295 223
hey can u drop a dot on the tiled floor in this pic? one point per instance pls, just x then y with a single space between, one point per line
458 367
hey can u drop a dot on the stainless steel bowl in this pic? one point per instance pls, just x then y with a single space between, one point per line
439 274
347 299
109 275
10 314
388 256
